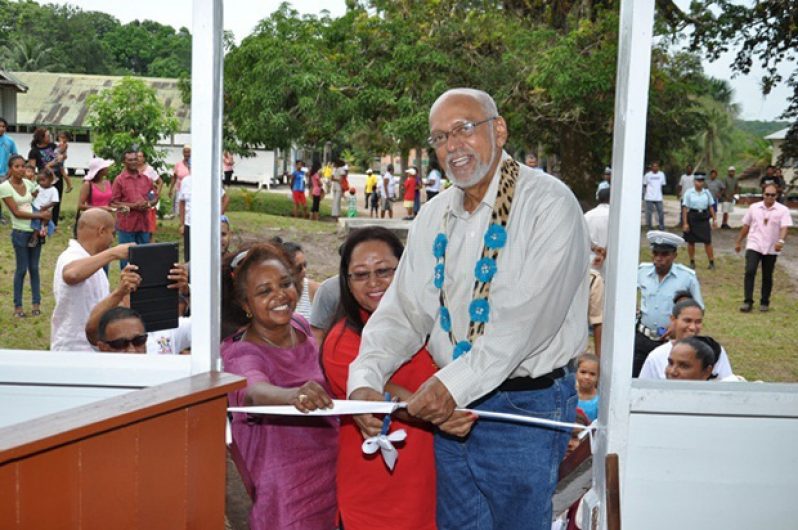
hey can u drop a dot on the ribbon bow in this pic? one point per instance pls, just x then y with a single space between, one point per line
384 442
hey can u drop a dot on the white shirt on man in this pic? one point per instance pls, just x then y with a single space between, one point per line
170 341
184 195
73 303
686 182
538 297
598 224
657 361
434 179
654 183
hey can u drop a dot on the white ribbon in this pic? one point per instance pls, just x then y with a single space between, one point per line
385 444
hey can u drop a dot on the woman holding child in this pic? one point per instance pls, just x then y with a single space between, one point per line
369 494
17 194
290 461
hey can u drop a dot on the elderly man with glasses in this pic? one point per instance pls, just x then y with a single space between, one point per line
495 277
765 228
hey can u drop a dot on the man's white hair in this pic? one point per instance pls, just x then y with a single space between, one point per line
482 97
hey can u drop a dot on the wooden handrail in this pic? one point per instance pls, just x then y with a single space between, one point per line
53 430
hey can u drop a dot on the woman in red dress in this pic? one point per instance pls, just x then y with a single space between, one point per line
370 496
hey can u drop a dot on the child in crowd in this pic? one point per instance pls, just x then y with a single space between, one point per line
61 155
587 375
351 203
30 170
46 196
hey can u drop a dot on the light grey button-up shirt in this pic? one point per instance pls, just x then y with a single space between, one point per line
538 297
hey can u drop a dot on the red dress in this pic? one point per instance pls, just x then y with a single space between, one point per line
369 495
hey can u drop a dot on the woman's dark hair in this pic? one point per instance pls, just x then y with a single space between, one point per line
112 315
289 247
234 279
38 136
680 306
703 351
681 295
13 158
349 308
315 167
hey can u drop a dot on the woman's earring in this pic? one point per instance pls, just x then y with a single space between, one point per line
249 315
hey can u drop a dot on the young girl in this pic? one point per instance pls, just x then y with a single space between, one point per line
61 154
587 374
16 193
46 196
351 203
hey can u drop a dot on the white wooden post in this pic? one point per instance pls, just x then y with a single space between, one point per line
206 138
631 103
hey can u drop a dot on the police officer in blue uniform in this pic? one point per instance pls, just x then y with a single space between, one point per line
658 283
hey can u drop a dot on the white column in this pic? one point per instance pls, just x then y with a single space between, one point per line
206 139
631 104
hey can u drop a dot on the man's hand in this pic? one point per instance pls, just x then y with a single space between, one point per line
432 402
369 424
129 280
120 252
685 227
311 396
182 229
459 423
178 275
738 247
778 246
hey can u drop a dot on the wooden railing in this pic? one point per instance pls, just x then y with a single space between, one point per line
152 458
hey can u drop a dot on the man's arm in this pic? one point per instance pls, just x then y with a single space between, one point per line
738 245
81 269
225 201
129 280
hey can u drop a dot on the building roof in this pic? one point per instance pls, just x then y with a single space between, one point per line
60 99
7 79
778 135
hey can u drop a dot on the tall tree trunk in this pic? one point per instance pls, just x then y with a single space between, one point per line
576 165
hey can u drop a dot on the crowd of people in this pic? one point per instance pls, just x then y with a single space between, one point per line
380 191
441 324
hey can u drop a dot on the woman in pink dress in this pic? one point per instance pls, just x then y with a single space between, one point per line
290 461
95 192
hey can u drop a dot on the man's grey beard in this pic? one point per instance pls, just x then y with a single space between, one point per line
480 172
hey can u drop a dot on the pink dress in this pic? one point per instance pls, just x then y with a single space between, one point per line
291 461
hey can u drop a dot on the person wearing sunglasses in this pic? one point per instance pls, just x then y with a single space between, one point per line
121 330
765 231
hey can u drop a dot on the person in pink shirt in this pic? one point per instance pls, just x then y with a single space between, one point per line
180 171
765 227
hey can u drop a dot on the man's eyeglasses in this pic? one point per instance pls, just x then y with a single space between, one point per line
769 194
463 130
380 274
121 344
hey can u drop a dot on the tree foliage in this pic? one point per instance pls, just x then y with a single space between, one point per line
763 33
64 38
126 115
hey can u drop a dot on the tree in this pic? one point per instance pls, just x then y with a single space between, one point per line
763 32
129 114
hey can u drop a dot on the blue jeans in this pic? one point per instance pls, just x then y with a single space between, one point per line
139 238
503 475
27 262
650 207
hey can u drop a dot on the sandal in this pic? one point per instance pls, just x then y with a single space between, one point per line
20 313
36 313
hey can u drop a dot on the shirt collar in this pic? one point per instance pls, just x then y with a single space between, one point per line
488 200
761 205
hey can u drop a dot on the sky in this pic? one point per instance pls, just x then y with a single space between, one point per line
241 16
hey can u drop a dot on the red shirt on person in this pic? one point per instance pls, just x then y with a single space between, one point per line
369 495
410 188
131 188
